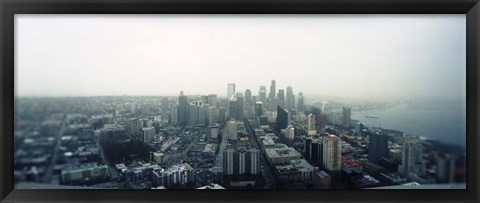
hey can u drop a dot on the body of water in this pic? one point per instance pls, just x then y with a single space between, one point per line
443 121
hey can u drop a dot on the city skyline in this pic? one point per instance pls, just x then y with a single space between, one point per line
161 55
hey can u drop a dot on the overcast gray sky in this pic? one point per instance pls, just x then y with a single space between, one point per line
358 56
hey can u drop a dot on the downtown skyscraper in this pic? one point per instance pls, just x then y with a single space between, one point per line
182 109
290 100
230 90
301 102
272 90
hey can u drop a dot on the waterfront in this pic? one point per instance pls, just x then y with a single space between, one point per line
444 121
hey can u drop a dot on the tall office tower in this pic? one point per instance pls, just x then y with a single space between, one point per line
182 109
412 157
254 161
248 96
148 134
249 104
240 106
314 151
307 146
377 146
232 130
203 115
233 108
282 119
272 90
192 115
174 114
258 108
445 168
317 152
250 110
222 115
212 100
332 153
164 104
301 102
347 118
241 161
281 97
133 128
311 122
290 100
212 115
230 90
262 94
228 161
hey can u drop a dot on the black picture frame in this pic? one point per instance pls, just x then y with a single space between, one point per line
11 7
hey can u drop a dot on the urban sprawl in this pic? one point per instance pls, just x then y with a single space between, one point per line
262 141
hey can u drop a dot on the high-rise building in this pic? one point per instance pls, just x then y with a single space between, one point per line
214 131
192 114
228 162
290 100
377 146
148 134
248 96
347 119
290 132
230 90
412 157
301 102
241 161
173 114
232 130
314 151
282 119
182 110
281 97
311 125
212 100
262 94
310 122
445 168
271 95
359 128
164 105
212 115
249 104
332 153
240 106
222 115
258 108
233 108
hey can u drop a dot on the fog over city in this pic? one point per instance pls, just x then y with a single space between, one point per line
240 102
360 56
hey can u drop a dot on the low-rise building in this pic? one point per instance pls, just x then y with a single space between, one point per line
84 173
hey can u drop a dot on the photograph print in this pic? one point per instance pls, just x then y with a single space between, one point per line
240 102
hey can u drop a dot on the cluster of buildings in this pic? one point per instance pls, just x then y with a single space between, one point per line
291 145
